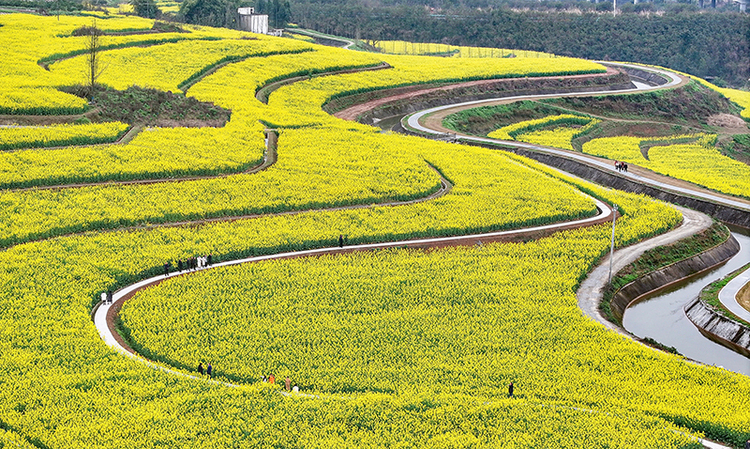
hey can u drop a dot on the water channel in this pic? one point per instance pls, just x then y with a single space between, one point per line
662 318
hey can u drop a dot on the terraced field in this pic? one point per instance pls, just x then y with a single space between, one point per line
402 347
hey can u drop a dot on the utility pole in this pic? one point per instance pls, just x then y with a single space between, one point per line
612 245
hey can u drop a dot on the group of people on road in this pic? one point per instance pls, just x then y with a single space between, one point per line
271 379
194 263
208 371
107 297
621 166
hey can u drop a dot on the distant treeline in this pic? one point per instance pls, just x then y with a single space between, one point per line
709 44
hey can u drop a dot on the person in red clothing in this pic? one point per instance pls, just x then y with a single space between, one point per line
271 379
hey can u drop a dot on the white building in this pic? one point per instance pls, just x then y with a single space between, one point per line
254 23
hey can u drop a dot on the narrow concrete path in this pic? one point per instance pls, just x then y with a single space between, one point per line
347 43
590 292
728 295
104 315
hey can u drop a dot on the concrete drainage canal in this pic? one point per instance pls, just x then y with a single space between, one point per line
663 319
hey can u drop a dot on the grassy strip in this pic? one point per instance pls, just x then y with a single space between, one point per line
710 295
47 60
42 110
660 257
483 119
264 91
197 76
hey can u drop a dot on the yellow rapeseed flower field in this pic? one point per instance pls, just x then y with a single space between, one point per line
537 132
58 135
401 348
698 162
456 51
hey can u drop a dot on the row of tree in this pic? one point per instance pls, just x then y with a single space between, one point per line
223 13
710 45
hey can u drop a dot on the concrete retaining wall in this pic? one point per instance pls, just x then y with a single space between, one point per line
671 274
719 328
646 76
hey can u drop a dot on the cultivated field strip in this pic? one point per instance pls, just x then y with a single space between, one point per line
500 312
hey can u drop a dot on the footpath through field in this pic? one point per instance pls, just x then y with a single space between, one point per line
104 315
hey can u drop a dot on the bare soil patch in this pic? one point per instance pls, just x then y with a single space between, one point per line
743 297
728 121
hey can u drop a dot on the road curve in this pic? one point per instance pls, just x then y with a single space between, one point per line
728 295
413 122
591 290
103 314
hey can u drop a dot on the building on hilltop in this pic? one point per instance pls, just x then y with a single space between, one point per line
255 23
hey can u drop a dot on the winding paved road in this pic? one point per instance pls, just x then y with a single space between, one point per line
416 121
589 293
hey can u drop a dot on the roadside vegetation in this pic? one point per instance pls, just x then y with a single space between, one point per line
660 257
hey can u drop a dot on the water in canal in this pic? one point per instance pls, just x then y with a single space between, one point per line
663 319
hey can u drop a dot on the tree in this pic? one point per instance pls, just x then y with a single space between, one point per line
93 63
145 8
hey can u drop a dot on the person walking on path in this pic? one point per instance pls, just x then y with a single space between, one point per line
166 269
104 297
109 296
209 260
288 384
341 240
179 265
209 369
200 369
510 390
